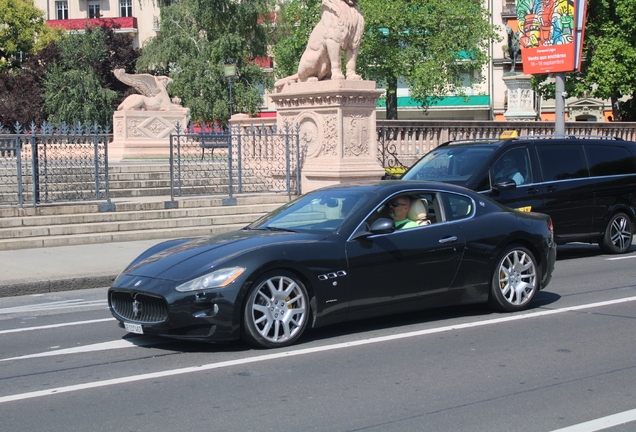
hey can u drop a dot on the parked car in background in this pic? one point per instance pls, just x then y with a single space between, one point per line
335 255
586 184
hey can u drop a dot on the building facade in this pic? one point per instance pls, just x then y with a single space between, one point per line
487 100
140 18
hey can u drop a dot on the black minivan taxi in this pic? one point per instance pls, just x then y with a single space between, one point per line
586 184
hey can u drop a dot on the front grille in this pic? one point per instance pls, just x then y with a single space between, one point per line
139 307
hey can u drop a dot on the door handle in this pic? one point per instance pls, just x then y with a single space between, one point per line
533 191
448 239
551 188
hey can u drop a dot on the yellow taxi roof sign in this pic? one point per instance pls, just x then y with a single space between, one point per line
509 134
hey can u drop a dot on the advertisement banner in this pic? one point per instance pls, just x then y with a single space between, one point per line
551 35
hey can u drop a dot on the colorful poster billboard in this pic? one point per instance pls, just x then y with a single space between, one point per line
548 35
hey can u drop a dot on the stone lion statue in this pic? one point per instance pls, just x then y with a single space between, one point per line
153 97
339 29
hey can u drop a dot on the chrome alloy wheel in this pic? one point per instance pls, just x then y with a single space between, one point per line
278 311
621 232
517 277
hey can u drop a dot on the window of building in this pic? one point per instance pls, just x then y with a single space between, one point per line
61 10
125 8
93 9
468 79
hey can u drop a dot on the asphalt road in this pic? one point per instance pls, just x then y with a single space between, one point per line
570 360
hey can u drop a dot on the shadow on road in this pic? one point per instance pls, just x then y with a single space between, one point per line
583 250
544 298
438 315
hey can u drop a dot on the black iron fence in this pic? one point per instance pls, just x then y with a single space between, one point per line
46 164
245 159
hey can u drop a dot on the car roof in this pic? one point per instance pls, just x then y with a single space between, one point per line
497 142
393 186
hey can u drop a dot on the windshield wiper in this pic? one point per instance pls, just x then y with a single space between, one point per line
274 228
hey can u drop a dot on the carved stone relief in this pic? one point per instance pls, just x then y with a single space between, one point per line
357 141
330 136
310 137
520 98
133 128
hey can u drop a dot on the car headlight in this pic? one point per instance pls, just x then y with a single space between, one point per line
216 279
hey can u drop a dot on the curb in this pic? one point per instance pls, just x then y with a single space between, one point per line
27 287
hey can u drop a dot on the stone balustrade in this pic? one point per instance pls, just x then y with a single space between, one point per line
410 139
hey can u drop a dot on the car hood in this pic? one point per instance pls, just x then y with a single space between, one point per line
194 257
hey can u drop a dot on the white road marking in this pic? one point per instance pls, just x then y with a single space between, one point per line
50 326
303 351
116 344
66 304
620 258
602 423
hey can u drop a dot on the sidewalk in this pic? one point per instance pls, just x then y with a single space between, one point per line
65 268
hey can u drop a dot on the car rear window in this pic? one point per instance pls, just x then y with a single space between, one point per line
606 160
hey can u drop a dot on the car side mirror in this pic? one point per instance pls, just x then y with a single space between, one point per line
504 183
380 226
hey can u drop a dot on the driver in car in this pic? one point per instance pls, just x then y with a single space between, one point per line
510 170
398 210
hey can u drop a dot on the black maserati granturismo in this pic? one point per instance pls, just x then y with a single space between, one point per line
338 254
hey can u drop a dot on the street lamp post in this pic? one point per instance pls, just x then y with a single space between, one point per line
229 71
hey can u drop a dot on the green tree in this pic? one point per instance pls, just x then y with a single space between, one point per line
75 95
296 20
23 31
437 46
21 89
609 51
80 86
197 38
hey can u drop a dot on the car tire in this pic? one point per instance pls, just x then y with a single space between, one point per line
276 311
618 235
515 280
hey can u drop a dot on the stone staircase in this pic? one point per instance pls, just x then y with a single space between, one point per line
140 209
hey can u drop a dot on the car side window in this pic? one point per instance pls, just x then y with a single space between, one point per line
608 160
427 206
562 161
424 209
458 206
513 164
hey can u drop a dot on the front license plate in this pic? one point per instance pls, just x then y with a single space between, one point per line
134 328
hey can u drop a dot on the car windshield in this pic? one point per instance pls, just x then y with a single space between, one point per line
449 164
320 211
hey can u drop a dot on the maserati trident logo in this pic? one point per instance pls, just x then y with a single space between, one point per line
136 307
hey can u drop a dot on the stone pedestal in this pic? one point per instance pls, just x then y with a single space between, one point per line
520 98
337 128
144 134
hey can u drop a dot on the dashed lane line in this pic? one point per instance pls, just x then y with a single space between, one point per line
51 326
602 423
66 304
110 345
303 351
